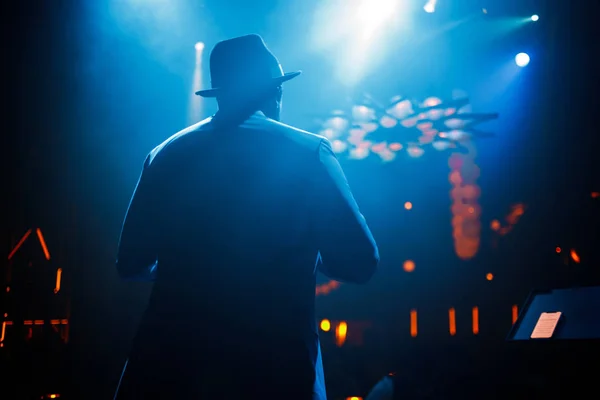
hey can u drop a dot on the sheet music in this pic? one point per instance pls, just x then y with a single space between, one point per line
544 328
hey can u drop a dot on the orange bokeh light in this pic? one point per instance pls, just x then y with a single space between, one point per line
558 249
340 333
575 256
413 323
495 225
325 325
409 266
489 276
452 321
475 315
408 205
326 288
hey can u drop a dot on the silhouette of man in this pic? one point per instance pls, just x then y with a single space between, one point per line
231 219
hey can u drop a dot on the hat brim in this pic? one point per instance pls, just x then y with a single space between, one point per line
277 81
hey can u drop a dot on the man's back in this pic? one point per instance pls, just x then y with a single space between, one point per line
237 216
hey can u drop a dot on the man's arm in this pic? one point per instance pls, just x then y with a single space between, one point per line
137 256
346 246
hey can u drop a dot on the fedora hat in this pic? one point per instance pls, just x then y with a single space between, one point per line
244 64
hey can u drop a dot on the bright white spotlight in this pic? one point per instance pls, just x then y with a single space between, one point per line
199 46
430 6
522 59
535 17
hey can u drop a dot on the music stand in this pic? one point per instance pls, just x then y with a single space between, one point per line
580 319
564 363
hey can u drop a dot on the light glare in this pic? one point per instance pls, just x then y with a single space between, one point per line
522 59
199 46
535 17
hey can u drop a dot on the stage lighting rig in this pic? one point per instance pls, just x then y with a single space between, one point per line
369 127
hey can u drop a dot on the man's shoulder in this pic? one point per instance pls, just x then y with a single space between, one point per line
179 136
297 136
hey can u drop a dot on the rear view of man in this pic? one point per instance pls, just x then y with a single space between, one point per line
231 218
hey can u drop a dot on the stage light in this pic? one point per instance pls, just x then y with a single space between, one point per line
522 59
340 333
575 256
413 323
371 128
535 17
495 225
199 46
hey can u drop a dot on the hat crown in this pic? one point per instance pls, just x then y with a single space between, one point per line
242 61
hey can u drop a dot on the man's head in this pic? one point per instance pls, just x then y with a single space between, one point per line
268 100
246 76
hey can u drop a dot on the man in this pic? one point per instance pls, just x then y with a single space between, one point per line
231 218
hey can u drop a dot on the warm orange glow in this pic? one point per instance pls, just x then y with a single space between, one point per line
58 277
326 288
19 244
452 321
409 265
408 205
53 323
489 276
41 322
3 331
575 256
413 323
465 208
475 320
354 398
495 225
516 211
325 325
53 396
558 250
340 333
515 313
43 243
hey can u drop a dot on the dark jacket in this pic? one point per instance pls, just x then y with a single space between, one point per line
232 222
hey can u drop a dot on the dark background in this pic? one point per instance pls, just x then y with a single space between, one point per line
82 106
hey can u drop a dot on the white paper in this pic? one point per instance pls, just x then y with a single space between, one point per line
544 329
